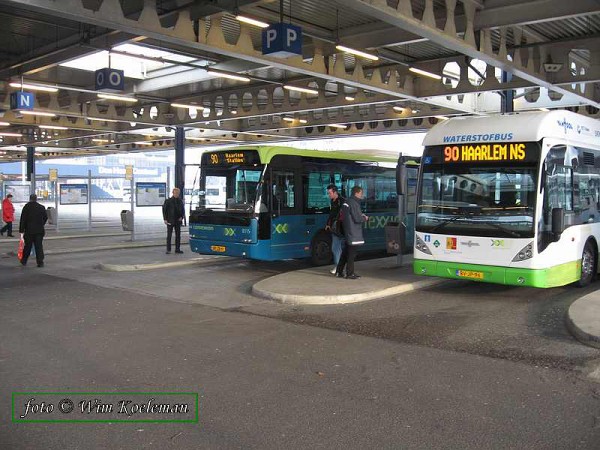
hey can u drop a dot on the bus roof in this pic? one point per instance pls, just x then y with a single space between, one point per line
266 153
517 127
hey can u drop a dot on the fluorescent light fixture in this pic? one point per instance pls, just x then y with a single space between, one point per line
2 133
357 52
544 109
337 125
302 121
234 111
415 111
37 113
301 89
100 119
289 119
184 106
349 98
231 76
34 87
117 97
425 73
52 127
399 109
441 117
101 141
251 21
143 143
4 124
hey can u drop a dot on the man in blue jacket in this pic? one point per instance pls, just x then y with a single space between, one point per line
353 220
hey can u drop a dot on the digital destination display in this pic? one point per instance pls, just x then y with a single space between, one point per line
228 158
496 152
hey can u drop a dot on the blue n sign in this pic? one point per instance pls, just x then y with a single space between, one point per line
22 100
282 40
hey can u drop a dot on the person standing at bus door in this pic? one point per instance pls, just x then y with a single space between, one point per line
173 214
33 219
334 224
353 232
8 216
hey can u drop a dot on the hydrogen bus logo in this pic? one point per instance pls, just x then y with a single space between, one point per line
565 125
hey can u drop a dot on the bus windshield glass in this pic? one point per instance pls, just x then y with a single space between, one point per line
494 197
229 180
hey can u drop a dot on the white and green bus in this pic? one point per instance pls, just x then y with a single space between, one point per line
511 199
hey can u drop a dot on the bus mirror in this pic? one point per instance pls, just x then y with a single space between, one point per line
558 221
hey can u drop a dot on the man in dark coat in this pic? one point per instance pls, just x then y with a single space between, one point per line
33 219
353 220
173 214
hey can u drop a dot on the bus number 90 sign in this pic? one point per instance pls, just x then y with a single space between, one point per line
214 158
451 154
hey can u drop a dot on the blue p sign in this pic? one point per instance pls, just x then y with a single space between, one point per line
282 40
22 100
110 80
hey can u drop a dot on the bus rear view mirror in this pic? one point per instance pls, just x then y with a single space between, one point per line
558 222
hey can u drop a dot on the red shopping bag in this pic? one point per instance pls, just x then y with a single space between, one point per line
21 247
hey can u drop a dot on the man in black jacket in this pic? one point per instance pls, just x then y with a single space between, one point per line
353 232
173 214
33 219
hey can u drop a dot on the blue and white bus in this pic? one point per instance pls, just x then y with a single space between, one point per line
276 205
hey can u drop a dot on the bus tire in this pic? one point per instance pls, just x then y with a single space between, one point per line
589 262
320 249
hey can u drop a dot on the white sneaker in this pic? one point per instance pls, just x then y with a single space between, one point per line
332 271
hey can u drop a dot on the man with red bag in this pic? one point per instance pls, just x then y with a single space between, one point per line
33 219
8 215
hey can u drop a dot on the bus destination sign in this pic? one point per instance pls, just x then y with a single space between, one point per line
496 152
231 158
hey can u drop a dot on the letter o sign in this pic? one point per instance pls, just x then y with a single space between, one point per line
115 79
99 78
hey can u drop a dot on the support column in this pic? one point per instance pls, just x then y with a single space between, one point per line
31 169
179 181
508 96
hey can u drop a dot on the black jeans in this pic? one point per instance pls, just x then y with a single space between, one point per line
347 259
177 227
7 228
31 240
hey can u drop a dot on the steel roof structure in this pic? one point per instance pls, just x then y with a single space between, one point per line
546 51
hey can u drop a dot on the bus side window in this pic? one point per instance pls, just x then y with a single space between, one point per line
284 191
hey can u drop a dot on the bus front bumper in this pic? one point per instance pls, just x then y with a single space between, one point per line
543 278
228 248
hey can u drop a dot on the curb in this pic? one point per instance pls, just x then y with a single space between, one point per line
97 249
151 266
580 327
342 299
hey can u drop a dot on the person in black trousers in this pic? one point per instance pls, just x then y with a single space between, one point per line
173 214
352 223
33 219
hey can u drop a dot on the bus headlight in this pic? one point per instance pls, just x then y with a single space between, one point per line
421 246
525 253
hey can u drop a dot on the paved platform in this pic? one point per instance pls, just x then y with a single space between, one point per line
317 286
583 319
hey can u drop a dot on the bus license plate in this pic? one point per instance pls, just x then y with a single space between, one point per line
469 274
218 248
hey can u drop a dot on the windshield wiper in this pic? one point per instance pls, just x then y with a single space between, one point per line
445 222
502 228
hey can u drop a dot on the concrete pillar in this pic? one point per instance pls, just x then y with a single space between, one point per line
508 96
31 169
179 181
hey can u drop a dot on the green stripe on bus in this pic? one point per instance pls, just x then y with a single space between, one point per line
543 278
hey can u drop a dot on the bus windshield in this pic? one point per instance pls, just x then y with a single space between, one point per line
494 200
229 188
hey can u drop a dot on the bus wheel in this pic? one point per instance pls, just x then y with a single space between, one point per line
321 250
588 265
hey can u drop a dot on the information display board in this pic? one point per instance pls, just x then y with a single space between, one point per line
150 194
74 194
20 192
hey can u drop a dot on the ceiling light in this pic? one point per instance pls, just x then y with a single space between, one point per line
100 119
234 111
4 124
37 113
349 98
143 143
34 87
288 119
101 141
399 109
303 121
357 52
2 133
251 21
415 111
53 127
231 76
441 117
337 125
544 109
117 97
425 73
301 89
181 105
